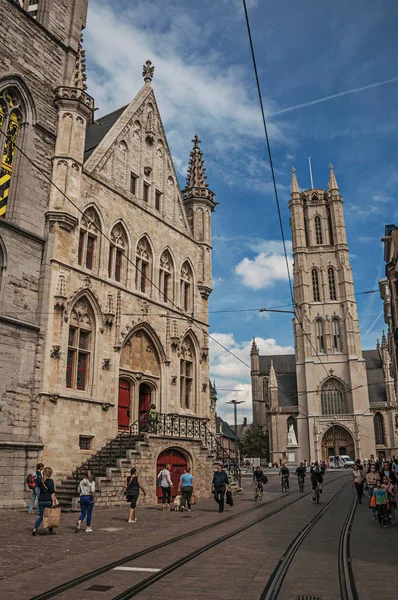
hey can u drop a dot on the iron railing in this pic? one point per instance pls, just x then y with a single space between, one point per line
169 425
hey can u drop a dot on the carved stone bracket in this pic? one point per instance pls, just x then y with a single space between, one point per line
60 302
56 352
54 399
173 380
106 406
108 319
106 364
204 387
204 291
64 220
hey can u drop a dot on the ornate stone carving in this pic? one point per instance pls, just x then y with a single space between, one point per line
56 352
106 364
60 297
147 71
65 220
173 380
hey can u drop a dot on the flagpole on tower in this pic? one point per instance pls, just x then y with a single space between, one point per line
309 164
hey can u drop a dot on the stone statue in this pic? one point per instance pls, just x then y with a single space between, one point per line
291 436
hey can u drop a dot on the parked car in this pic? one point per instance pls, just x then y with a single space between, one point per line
342 461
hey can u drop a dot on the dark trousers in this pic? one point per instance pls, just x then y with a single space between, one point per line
219 495
42 506
359 490
382 512
166 493
186 495
86 505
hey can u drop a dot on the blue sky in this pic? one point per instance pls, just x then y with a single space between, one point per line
204 83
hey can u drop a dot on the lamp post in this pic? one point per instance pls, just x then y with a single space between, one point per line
235 405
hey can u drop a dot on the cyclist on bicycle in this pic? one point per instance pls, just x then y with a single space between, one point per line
301 472
316 478
259 478
285 473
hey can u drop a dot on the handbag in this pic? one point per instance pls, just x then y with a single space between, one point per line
372 502
52 517
229 500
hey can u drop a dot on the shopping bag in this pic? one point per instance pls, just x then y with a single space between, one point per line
193 499
229 500
52 517
372 502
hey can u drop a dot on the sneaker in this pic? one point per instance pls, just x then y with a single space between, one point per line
89 530
182 509
189 510
130 521
77 528
385 525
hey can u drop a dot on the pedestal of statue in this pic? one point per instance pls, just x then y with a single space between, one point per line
292 453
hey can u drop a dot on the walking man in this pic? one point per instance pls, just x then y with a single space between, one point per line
220 482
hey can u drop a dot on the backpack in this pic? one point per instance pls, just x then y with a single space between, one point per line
317 470
265 479
31 481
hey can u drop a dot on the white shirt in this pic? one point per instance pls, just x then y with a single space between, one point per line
86 487
166 478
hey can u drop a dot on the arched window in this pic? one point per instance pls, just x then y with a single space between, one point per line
118 249
333 397
318 230
336 335
80 345
166 284
320 337
186 279
315 285
332 284
330 225
379 429
88 253
143 275
307 237
187 374
10 122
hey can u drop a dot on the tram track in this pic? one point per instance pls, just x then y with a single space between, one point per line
60 589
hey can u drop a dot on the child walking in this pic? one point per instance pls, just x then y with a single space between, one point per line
381 503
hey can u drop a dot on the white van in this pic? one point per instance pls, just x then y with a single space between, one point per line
343 461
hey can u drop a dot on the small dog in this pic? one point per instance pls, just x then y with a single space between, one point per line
177 503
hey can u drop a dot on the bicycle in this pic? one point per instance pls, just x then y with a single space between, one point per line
284 483
258 492
301 484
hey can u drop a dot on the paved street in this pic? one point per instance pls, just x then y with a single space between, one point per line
236 568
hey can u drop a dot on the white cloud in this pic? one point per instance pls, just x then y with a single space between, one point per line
264 270
381 198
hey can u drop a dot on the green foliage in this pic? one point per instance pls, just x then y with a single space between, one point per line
254 443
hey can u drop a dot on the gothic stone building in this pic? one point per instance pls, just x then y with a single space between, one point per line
105 264
338 398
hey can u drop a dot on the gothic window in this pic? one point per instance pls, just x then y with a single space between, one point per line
187 375
379 429
80 344
320 336
318 230
333 397
133 184
118 250
330 225
146 192
307 237
186 285
88 251
166 283
336 335
315 285
10 122
332 284
158 199
143 272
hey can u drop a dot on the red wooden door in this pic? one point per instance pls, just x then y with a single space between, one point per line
124 404
145 399
178 463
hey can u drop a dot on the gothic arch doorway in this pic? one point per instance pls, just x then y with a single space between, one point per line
145 399
337 440
178 462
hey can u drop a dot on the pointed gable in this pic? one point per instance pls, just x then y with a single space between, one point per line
131 143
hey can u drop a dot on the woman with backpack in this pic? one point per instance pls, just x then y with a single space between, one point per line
33 482
132 492
46 498
164 481
87 499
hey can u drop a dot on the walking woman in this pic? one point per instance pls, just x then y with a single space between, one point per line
87 499
357 481
46 498
132 492
372 477
186 483
166 484
36 489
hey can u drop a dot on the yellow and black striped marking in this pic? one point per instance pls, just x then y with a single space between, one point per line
11 124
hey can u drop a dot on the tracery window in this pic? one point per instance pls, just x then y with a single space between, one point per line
10 122
186 285
187 374
320 336
318 230
333 394
80 343
379 429
166 283
143 272
332 284
118 250
315 285
88 250
336 334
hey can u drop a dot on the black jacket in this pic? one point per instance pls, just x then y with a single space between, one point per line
220 479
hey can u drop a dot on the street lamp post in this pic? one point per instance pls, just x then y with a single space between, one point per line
237 457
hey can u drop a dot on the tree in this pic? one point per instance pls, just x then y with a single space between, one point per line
254 443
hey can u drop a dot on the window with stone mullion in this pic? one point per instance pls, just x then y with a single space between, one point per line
78 358
332 284
186 380
315 285
318 230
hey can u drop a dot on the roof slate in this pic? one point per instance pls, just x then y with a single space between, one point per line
98 130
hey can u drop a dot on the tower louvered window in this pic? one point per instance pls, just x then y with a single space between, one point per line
315 285
318 230
379 429
332 284
10 121
336 335
320 337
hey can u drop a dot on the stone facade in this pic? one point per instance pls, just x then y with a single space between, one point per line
335 397
105 283
389 294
